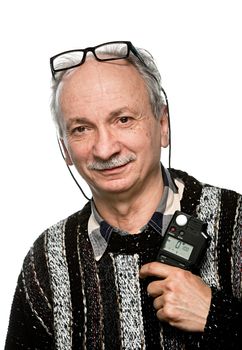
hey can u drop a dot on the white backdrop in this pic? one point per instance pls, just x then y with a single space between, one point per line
197 46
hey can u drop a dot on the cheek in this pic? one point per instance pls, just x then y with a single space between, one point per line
138 134
140 140
78 155
148 137
80 149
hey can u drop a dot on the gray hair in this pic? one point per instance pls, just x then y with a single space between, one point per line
147 69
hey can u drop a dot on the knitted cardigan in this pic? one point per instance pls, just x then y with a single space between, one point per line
66 300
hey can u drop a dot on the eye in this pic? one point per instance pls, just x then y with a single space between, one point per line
79 129
124 120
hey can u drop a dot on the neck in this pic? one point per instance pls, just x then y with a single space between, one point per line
130 211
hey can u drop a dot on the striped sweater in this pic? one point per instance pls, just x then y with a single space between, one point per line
65 299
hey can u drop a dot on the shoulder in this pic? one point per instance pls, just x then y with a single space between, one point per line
191 181
53 238
200 194
51 247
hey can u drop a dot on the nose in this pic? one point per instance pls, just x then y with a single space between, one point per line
106 144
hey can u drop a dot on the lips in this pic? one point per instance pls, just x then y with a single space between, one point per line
114 169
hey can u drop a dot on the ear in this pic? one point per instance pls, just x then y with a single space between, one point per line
68 159
164 128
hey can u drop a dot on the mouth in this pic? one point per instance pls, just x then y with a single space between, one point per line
115 169
112 165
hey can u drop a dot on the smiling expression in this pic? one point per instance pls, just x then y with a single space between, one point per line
110 132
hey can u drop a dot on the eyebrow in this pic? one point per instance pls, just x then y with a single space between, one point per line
121 110
76 120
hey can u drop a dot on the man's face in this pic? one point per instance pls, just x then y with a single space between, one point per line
110 132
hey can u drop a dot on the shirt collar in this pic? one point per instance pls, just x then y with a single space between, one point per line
99 231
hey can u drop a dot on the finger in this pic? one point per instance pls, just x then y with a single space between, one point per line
155 288
157 269
158 303
162 315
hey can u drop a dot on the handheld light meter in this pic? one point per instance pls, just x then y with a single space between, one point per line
185 242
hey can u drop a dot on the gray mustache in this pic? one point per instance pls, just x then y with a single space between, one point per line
111 163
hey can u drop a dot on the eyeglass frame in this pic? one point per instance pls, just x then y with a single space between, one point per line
92 49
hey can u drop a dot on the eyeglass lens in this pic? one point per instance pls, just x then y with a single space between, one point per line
102 52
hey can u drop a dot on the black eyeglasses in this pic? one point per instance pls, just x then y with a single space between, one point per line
104 52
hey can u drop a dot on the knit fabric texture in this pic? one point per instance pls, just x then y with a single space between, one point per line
65 299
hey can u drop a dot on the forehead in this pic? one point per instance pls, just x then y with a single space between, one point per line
93 69
99 81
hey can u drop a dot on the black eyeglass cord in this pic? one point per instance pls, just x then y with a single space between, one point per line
72 175
169 125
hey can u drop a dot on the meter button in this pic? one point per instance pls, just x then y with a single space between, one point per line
181 220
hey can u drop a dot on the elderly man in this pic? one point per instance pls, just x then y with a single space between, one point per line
92 280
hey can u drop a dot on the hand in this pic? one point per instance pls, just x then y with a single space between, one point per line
180 298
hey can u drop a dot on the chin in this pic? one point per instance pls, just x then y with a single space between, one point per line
113 187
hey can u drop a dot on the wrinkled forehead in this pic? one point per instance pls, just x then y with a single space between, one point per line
93 69
93 75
